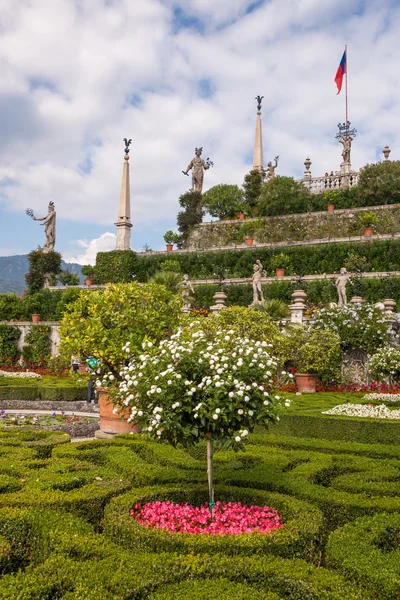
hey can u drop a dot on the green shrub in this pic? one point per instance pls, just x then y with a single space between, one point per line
215 589
37 344
223 201
314 351
41 264
11 307
117 266
9 337
368 551
379 183
282 196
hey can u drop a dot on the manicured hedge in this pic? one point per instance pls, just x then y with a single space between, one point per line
368 551
212 589
15 390
298 537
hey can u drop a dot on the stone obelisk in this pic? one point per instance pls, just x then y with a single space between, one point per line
123 223
258 160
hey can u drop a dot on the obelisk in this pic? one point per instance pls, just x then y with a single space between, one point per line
123 223
258 160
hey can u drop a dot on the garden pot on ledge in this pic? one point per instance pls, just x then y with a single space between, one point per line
249 241
367 231
241 216
35 318
280 272
306 382
88 281
331 207
169 247
113 423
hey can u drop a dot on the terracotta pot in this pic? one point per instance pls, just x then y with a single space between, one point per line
368 231
35 318
241 216
169 247
88 281
331 207
114 422
306 382
249 241
280 272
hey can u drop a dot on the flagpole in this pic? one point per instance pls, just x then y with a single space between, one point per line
347 68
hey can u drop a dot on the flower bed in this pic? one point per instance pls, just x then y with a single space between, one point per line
383 397
20 375
364 411
228 519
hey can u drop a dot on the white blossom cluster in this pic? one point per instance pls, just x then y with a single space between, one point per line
20 374
191 385
382 397
363 410
385 363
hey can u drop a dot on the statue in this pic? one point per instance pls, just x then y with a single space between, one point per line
49 222
258 273
340 283
187 287
259 100
198 166
346 142
269 172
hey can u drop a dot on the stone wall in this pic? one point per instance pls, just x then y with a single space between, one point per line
25 326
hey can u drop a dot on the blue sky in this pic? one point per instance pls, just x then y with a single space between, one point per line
77 77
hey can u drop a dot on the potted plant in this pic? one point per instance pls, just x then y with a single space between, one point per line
170 239
331 207
36 317
313 353
367 220
34 306
279 263
89 272
247 230
241 216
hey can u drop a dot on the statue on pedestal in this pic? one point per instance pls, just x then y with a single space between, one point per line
187 287
49 222
346 142
269 172
198 166
258 273
340 283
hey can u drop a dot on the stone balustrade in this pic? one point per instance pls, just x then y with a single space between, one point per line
339 181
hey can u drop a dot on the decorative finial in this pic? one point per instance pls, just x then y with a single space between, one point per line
127 144
259 101
307 163
386 151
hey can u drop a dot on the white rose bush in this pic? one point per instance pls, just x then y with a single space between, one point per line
192 387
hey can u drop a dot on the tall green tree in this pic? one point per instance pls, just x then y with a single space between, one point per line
192 215
282 196
42 265
252 185
224 201
379 183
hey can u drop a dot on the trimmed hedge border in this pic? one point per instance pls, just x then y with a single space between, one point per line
355 550
298 537
52 394
212 589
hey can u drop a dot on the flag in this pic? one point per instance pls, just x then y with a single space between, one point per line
342 69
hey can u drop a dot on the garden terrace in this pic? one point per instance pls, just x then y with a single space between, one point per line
66 530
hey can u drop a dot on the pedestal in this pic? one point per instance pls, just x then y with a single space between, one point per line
297 308
219 299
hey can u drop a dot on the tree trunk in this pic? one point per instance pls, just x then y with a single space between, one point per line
210 453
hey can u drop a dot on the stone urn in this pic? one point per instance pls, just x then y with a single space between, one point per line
219 299
280 272
356 300
389 305
112 423
306 382
35 318
331 207
249 241
367 231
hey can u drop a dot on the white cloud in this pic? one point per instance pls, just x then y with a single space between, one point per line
104 243
79 76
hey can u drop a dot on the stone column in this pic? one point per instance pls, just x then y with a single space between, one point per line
298 307
307 173
123 222
258 160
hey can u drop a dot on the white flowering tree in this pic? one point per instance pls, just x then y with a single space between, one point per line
194 386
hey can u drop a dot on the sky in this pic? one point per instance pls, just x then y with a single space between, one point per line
77 76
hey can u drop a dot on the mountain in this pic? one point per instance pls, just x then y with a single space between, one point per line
14 268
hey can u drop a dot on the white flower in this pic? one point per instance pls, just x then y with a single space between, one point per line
251 413
111 377
238 438
158 390
265 402
246 398
140 413
231 394
240 411
217 384
245 432
217 410
196 415
215 417
227 338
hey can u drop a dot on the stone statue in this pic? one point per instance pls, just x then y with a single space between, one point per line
198 166
259 101
340 283
187 287
346 142
258 273
49 222
270 170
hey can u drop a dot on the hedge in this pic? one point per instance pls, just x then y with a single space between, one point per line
117 266
368 551
38 392
9 337
212 589
298 537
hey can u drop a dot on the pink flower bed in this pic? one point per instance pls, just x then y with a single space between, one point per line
229 519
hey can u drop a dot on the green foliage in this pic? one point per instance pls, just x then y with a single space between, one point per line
276 309
314 351
99 323
384 365
380 183
368 219
41 264
37 344
355 262
89 271
169 279
192 214
170 237
279 261
224 201
67 278
252 185
282 196
117 266
9 337
368 551
360 326
10 307
170 265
